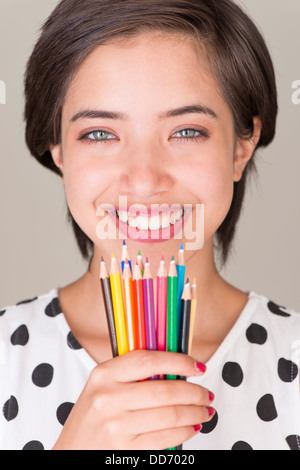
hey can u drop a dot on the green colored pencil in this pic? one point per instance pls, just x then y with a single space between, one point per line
172 335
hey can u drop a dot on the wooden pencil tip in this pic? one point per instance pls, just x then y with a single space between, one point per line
173 258
147 261
187 281
113 256
102 260
181 246
124 243
139 253
162 258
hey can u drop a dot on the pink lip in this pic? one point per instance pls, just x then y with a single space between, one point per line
153 236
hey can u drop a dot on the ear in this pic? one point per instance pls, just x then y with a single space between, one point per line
56 152
245 149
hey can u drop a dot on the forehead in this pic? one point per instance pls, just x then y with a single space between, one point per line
154 69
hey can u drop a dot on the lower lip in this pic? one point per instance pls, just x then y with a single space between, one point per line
151 236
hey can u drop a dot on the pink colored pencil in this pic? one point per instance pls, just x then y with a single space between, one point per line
161 305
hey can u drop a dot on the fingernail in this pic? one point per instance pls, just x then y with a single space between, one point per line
200 368
211 396
211 411
197 427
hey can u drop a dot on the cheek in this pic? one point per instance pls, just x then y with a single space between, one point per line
84 183
214 189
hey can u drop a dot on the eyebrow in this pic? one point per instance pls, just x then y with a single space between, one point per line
99 114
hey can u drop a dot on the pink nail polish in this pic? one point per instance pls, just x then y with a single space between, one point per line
211 396
197 427
211 411
200 368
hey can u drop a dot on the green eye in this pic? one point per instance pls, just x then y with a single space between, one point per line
100 135
187 133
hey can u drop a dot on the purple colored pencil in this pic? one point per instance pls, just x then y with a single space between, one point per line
151 341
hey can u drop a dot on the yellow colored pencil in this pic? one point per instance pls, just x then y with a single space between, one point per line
119 315
193 313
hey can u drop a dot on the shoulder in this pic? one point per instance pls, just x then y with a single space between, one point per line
273 310
274 324
14 319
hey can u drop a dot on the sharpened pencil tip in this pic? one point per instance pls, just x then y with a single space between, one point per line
102 260
139 253
124 243
181 246
113 255
147 261
173 258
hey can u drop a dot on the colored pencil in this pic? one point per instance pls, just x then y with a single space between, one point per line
125 255
140 262
116 290
130 313
181 276
172 341
161 305
138 296
185 319
149 308
193 313
106 292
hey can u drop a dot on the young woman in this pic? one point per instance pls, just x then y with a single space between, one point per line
157 103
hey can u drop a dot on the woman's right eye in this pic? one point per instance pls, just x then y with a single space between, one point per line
98 136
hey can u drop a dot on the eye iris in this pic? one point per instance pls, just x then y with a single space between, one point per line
188 133
99 135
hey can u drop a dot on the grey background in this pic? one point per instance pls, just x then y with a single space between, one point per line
38 251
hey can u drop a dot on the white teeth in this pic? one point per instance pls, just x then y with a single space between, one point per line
154 222
161 220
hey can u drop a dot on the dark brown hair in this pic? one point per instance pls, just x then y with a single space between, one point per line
236 50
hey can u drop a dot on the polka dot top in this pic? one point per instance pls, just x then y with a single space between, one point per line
254 375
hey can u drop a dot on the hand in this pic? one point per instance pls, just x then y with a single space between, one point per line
118 410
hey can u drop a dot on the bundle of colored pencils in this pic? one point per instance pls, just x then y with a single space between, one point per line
133 321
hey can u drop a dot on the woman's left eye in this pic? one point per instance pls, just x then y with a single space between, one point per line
190 134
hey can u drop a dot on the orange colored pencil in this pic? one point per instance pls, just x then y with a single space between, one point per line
138 298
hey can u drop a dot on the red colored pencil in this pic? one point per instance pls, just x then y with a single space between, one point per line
138 298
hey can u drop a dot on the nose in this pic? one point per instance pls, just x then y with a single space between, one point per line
145 174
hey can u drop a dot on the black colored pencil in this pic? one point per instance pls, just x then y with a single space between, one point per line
106 291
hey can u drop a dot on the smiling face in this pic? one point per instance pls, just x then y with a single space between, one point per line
145 120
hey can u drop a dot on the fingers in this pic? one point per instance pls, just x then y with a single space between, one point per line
140 365
158 393
169 417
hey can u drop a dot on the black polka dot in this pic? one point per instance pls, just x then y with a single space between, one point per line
210 425
27 301
287 370
266 408
53 308
232 374
293 442
11 409
42 375
33 445
2 312
241 445
256 334
277 310
63 412
20 336
72 342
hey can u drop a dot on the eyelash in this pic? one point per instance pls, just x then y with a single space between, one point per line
202 135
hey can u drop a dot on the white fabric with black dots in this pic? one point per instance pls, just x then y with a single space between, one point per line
254 375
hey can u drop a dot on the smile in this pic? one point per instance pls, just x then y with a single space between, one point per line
150 222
